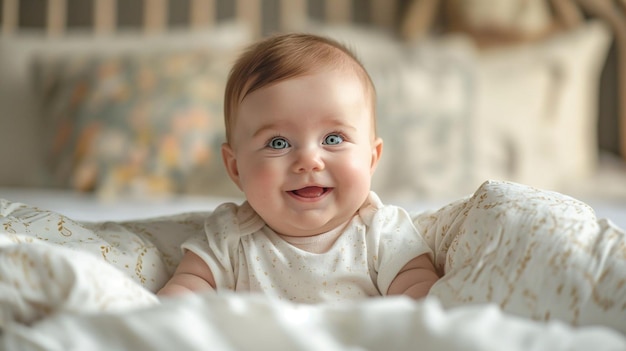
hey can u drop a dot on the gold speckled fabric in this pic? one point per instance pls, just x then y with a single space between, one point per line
49 262
146 250
535 253
38 280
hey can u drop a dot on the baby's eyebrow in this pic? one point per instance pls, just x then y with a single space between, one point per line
265 128
339 123
349 128
329 123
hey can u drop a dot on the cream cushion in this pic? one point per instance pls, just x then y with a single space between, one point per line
536 110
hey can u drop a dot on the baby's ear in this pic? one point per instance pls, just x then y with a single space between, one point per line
230 162
377 152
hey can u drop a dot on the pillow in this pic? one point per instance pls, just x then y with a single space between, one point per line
536 109
538 254
139 125
425 96
20 113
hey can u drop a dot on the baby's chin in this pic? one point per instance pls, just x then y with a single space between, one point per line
304 219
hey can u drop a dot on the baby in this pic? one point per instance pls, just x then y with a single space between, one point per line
301 144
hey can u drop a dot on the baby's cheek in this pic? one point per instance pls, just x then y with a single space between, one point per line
260 171
356 173
359 166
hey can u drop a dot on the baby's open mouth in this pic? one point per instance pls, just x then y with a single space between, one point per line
310 191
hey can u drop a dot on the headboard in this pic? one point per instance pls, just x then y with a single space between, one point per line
156 14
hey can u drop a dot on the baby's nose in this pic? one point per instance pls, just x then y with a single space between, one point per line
308 160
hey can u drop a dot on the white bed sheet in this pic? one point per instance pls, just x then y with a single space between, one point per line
377 324
85 207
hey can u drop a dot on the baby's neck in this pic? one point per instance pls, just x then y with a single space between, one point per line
319 243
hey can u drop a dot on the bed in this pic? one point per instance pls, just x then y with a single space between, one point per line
117 121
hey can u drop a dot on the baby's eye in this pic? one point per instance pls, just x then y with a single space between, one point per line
333 139
278 143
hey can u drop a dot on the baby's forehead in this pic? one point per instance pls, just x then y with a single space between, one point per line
267 65
344 81
349 71
327 69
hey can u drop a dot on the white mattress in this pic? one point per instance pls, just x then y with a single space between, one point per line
84 207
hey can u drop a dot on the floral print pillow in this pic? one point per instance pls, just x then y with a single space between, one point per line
139 125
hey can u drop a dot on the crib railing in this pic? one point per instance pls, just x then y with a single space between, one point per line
202 13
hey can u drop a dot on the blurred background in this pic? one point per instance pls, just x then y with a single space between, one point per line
118 98
130 15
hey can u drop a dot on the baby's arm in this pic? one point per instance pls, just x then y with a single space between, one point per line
192 274
414 279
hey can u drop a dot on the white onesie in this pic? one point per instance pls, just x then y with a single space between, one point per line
244 254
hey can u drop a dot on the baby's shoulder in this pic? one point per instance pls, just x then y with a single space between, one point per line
375 211
230 218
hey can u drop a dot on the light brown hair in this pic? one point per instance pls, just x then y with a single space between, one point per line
285 56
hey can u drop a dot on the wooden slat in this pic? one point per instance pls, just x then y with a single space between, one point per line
293 14
420 19
10 15
105 16
202 13
250 13
56 17
338 11
155 15
620 39
383 13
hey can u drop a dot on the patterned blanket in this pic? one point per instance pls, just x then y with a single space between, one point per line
541 257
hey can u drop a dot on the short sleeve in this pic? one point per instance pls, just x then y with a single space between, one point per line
220 243
398 240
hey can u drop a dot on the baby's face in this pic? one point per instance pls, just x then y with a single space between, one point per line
303 151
